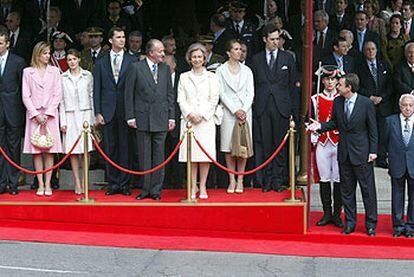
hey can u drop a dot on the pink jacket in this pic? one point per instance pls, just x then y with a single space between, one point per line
42 93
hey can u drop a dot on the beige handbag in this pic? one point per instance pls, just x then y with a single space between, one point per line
44 142
241 143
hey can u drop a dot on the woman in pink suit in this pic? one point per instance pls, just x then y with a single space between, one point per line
42 93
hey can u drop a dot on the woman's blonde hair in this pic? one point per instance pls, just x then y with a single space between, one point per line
194 47
39 48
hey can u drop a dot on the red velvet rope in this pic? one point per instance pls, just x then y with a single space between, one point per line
27 171
245 172
133 172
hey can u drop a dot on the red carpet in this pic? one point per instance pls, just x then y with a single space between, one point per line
321 242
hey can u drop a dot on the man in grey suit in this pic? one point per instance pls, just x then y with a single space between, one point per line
11 112
400 144
149 108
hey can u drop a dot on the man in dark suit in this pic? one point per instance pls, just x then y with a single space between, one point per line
275 78
340 57
109 87
135 44
376 84
324 36
149 103
400 144
20 41
341 18
6 7
11 113
362 34
241 28
354 117
404 72
407 13
221 34
81 14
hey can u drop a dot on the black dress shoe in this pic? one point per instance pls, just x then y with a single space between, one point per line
156 197
55 186
126 192
337 221
326 219
382 164
266 189
2 190
371 232
142 196
14 192
408 234
397 234
348 230
111 192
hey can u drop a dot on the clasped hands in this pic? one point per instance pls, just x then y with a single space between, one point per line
40 119
240 115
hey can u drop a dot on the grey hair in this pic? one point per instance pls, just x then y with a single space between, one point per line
348 32
323 14
408 45
405 96
194 47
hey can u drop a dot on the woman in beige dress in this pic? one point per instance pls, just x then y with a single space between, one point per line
198 96
75 108
236 95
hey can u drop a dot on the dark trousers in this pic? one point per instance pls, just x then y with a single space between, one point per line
174 171
398 203
10 142
382 151
273 128
151 152
115 136
364 174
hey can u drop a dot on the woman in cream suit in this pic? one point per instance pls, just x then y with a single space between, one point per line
198 96
42 92
75 108
236 95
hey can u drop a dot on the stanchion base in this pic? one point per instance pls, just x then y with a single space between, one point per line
186 200
302 179
84 200
293 200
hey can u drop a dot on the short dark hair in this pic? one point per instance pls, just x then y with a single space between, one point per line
408 3
399 17
268 29
113 30
4 33
361 12
73 52
135 33
352 80
336 42
219 20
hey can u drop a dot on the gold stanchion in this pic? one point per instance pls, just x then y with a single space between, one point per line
85 176
189 185
292 131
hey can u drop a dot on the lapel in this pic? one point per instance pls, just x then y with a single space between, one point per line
147 73
369 73
7 64
108 67
355 109
396 124
227 77
266 67
124 66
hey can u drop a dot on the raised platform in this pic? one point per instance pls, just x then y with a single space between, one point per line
250 212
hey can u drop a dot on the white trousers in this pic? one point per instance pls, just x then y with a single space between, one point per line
326 160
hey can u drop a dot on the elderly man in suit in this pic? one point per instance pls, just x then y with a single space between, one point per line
404 72
20 41
11 112
376 83
354 117
400 144
109 85
150 102
275 77
324 36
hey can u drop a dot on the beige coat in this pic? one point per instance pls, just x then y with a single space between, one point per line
199 94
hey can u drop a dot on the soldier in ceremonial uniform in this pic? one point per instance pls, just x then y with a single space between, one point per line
326 148
90 55
58 58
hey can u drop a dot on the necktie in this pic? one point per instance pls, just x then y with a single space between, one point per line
155 72
115 65
321 39
340 64
406 132
406 28
11 44
348 108
272 60
94 56
374 72
238 28
360 41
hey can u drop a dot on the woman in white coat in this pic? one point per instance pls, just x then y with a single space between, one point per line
198 96
75 108
236 95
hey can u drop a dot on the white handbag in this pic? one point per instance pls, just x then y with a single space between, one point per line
44 142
